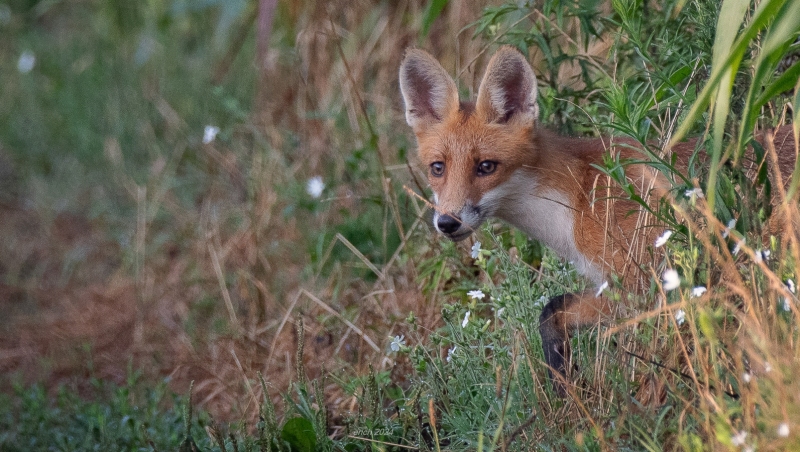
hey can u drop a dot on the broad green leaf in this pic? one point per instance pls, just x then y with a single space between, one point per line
299 433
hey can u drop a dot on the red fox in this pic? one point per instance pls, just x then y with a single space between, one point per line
492 159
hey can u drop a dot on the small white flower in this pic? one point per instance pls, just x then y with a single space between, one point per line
791 286
500 311
783 430
26 62
476 250
698 291
671 279
767 367
466 320
600 289
476 294
661 240
747 377
761 255
680 316
451 352
786 305
397 343
738 246
314 187
738 439
210 134
727 230
694 193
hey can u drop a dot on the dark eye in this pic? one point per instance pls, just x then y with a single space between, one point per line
437 169
486 167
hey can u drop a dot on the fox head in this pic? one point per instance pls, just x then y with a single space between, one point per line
472 152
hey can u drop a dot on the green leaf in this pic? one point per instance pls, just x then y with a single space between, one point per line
434 10
299 433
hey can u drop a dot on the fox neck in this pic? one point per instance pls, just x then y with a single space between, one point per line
547 213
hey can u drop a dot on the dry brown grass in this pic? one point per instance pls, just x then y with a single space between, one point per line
239 257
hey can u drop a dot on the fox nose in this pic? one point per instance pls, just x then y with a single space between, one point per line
448 224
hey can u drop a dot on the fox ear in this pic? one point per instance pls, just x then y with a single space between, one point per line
428 91
508 90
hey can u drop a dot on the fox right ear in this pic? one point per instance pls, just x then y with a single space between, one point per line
428 91
508 90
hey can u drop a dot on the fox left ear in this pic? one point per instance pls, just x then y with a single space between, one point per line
508 90
429 93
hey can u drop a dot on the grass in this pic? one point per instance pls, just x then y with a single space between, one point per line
129 243
133 416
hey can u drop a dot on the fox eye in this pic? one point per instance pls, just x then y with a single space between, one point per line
486 167
437 169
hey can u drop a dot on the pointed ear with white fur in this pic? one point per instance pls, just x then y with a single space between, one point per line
428 91
508 90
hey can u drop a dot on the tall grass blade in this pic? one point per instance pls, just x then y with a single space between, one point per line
730 21
779 38
765 12
796 126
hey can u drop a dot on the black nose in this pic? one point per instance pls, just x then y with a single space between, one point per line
448 224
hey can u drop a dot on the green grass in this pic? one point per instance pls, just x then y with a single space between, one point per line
104 416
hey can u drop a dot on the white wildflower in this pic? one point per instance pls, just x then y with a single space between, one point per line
694 193
786 305
314 187
671 279
727 230
476 294
601 288
26 62
451 352
761 255
783 430
738 246
698 291
791 286
767 367
660 241
397 343
210 134
466 320
738 439
476 250
747 377
680 316
500 311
